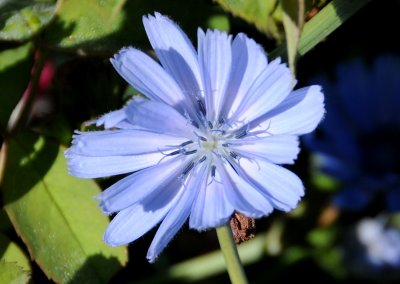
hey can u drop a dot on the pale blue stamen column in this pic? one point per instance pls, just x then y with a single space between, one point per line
229 250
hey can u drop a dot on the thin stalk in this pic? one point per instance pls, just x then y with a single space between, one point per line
20 114
229 250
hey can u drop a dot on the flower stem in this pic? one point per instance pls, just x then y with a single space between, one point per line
229 250
19 115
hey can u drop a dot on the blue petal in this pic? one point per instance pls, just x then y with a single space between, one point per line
249 61
282 187
95 167
244 197
139 185
111 119
175 52
215 58
177 215
120 143
132 223
298 114
116 119
147 76
281 149
269 89
211 207
159 117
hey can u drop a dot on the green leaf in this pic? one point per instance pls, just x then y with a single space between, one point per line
94 26
55 214
15 67
11 273
265 15
322 24
327 20
11 252
219 22
22 19
80 24
293 20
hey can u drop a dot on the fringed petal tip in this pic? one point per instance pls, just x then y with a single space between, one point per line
151 258
101 205
120 52
108 120
69 154
110 242
156 16
104 210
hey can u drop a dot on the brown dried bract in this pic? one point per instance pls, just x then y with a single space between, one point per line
243 228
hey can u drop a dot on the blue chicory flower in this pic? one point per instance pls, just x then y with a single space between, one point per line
359 140
204 143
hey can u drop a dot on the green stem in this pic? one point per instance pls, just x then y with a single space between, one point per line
229 250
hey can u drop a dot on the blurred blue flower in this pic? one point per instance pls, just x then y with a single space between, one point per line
206 140
372 249
360 137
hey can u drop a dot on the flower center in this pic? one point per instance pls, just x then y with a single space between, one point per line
213 142
210 144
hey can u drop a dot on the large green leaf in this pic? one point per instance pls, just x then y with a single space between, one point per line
11 252
15 66
55 214
105 26
11 273
265 15
332 16
80 24
20 20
